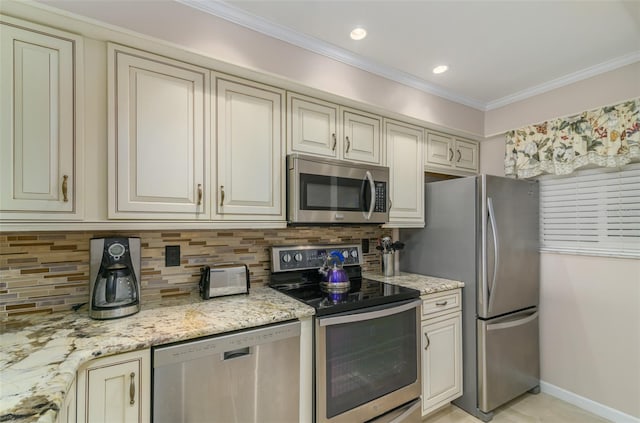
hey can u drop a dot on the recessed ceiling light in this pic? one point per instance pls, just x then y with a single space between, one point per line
358 33
440 69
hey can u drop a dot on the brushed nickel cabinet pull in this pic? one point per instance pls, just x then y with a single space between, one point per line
442 303
199 194
132 389
65 188
450 154
459 156
390 204
221 195
335 142
428 341
348 145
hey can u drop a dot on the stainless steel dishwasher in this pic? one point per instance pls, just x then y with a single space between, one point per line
244 377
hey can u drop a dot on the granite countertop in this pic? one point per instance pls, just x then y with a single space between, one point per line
41 354
424 284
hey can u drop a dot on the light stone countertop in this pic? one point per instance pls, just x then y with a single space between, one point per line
40 354
424 284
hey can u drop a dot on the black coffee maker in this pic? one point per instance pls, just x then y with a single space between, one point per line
114 277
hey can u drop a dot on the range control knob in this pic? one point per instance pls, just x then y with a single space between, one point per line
354 253
345 254
286 257
298 257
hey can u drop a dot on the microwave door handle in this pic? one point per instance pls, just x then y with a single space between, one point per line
372 188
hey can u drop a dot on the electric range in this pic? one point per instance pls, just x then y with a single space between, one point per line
295 272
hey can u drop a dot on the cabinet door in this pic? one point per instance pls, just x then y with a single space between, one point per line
115 389
361 136
67 413
441 361
405 160
38 127
439 150
250 151
312 126
157 157
467 155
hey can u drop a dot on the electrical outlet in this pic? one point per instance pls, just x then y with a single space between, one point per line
172 255
365 246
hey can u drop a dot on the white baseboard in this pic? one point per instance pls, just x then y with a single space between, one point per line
587 404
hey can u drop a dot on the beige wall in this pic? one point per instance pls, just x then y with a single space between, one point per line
602 90
590 328
589 306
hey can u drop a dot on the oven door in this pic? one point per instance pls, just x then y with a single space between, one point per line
367 362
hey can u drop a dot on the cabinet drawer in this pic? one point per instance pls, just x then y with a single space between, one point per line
435 304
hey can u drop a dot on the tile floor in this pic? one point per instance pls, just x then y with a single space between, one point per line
529 408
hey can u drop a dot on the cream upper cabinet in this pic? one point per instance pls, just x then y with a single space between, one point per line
115 389
361 136
158 134
448 154
326 129
405 160
441 349
313 126
41 122
250 150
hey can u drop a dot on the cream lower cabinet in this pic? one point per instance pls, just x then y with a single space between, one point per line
115 389
451 155
441 350
404 144
158 134
41 122
67 413
250 151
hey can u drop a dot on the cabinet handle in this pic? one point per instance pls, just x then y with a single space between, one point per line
65 188
459 156
335 142
428 341
199 194
442 303
221 195
132 389
390 204
450 154
348 145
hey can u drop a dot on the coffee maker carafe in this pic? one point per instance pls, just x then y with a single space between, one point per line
114 277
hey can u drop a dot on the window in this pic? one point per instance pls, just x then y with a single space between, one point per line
592 212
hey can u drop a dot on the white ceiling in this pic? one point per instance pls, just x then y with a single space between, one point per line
498 52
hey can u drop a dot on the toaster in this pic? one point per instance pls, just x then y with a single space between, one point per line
223 279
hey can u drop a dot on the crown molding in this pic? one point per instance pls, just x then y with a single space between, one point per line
565 80
240 17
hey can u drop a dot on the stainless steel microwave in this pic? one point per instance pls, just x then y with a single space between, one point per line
321 190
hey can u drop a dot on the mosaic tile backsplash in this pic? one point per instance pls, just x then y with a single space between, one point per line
45 272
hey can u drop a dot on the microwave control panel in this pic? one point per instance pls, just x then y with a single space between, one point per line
381 197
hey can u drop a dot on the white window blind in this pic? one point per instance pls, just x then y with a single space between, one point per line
592 212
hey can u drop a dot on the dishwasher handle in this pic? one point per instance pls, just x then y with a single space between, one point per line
240 352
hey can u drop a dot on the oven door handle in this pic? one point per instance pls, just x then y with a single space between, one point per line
368 315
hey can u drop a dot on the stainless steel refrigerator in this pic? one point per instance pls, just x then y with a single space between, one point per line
483 230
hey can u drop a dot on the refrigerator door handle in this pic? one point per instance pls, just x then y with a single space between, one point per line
516 320
496 249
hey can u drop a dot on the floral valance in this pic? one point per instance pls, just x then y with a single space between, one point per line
606 137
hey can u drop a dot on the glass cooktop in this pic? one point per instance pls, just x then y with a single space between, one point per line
362 293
